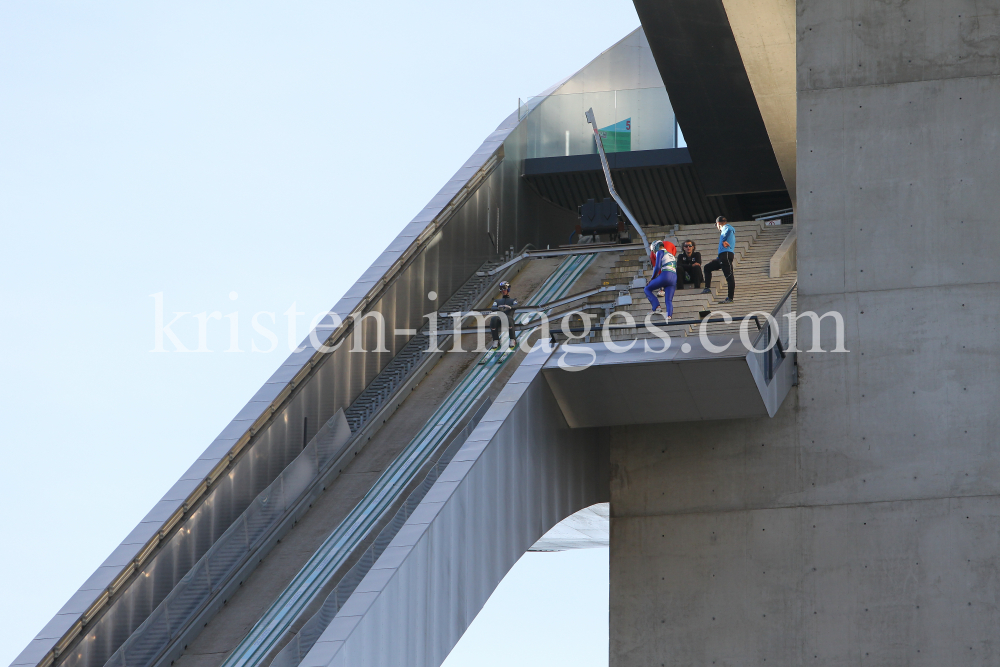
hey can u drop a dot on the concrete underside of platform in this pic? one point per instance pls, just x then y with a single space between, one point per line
643 383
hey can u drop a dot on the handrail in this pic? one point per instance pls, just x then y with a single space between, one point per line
670 323
547 254
581 295
777 309
553 304
781 301
768 356
611 185
772 214
609 327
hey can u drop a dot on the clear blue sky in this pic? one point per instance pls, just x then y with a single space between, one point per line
262 151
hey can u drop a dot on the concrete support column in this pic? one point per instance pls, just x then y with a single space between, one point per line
861 525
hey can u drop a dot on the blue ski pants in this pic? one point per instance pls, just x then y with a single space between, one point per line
668 281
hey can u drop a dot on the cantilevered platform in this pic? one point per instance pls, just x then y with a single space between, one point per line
596 385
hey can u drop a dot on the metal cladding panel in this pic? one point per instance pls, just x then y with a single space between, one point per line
785 376
703 71
520 472
449 257
443 263
642 386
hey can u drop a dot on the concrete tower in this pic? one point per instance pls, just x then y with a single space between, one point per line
861 525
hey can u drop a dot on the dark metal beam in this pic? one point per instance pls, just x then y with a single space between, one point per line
700 63
662 157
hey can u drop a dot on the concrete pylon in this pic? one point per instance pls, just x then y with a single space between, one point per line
861 525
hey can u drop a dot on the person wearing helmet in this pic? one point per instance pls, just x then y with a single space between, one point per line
505 306
652 262
664 277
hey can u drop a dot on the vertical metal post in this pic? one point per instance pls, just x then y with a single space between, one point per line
611 185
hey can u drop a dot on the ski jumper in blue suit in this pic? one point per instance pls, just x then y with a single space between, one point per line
664 276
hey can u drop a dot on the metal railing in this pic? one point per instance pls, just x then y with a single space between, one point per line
236 545
639 324
770 345
772 215
556 252
296 649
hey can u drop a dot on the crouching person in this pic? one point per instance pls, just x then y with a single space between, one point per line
505 307
664 277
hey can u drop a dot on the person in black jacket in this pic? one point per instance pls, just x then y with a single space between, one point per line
689 266
505 306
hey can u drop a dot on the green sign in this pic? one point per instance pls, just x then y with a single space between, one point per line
617 138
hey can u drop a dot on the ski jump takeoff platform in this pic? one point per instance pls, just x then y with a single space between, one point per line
596 385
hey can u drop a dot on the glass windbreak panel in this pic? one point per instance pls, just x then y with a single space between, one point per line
603 104
654 127
524 107
558 125
628 120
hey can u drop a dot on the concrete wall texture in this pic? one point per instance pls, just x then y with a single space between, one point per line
861 525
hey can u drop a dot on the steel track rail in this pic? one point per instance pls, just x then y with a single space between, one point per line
364 517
